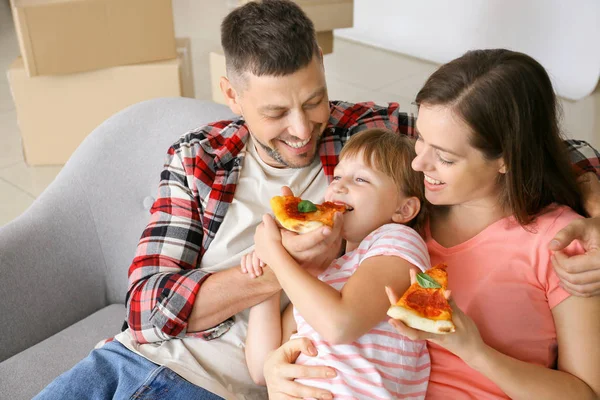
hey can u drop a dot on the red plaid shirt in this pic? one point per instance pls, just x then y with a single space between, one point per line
197 185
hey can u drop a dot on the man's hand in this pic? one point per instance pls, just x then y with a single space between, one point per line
280 372
590 193
315 250
580 274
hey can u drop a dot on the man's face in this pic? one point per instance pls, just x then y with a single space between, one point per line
286 115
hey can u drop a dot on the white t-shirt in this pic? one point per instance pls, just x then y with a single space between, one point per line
219 365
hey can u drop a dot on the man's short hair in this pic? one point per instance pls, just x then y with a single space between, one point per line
268 37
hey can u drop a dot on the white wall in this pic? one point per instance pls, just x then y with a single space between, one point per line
563 35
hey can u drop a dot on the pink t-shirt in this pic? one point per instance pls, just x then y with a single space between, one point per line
503 279
381 364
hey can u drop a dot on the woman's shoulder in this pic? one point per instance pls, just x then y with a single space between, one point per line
554 218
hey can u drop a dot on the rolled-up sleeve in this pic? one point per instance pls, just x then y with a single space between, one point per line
163 278
583 157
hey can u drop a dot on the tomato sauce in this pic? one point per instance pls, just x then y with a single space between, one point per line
426 303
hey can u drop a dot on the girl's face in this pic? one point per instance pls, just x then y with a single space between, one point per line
372 198
456 173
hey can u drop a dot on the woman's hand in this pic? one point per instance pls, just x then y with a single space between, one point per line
314 251
280 372
465 342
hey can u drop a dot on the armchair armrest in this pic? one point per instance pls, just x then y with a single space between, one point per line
51 268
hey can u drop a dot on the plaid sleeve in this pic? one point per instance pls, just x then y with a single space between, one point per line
163 278
351 118
583 157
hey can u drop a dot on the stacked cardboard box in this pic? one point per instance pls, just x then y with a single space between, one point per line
82 61
326 15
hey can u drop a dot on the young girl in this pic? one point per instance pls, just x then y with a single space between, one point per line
344 311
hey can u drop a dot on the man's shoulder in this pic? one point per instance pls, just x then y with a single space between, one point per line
346 112
214 134
216 143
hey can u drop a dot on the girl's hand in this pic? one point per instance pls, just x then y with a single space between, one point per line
267 241
252 265
465 343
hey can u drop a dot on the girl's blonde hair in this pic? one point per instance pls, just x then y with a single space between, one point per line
391 154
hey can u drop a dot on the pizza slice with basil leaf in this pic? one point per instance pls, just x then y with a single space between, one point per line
423 306
303 216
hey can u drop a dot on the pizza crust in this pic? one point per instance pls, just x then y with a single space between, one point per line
414 320
304 227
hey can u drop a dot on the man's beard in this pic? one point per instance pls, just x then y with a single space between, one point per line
275 155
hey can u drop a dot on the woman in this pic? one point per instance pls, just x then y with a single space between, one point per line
500 185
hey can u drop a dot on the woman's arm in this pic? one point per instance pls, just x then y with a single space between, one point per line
577 323
264 335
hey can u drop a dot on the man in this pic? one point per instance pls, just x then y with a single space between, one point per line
187 301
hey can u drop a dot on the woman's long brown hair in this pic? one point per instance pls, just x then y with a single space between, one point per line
507 100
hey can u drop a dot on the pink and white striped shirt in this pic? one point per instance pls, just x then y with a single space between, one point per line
381 364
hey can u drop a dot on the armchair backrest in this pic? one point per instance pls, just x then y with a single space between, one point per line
118 167
68 254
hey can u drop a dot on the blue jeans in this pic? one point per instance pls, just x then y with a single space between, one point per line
115 372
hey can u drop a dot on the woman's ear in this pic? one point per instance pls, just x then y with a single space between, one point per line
230 95
407 210
502 168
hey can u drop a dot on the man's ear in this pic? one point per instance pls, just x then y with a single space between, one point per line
230 95
407 210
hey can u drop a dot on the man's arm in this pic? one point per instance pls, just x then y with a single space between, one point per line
583 157
169 296
589 184
228 292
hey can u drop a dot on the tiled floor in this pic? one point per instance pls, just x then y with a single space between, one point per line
354 73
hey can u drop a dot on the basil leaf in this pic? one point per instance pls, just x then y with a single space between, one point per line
306 206
427 282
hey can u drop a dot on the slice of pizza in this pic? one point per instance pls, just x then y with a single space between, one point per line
303 216
423 306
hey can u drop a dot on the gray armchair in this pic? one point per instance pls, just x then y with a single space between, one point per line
63 263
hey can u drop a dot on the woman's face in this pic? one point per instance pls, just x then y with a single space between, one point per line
456 173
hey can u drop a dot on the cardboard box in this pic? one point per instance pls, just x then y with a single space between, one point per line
327 15
217 65
217 70
68 36
186 70
55 113
325 40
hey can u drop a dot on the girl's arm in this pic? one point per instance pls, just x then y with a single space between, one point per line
577 321
339 317
264 335
342 317
288 323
